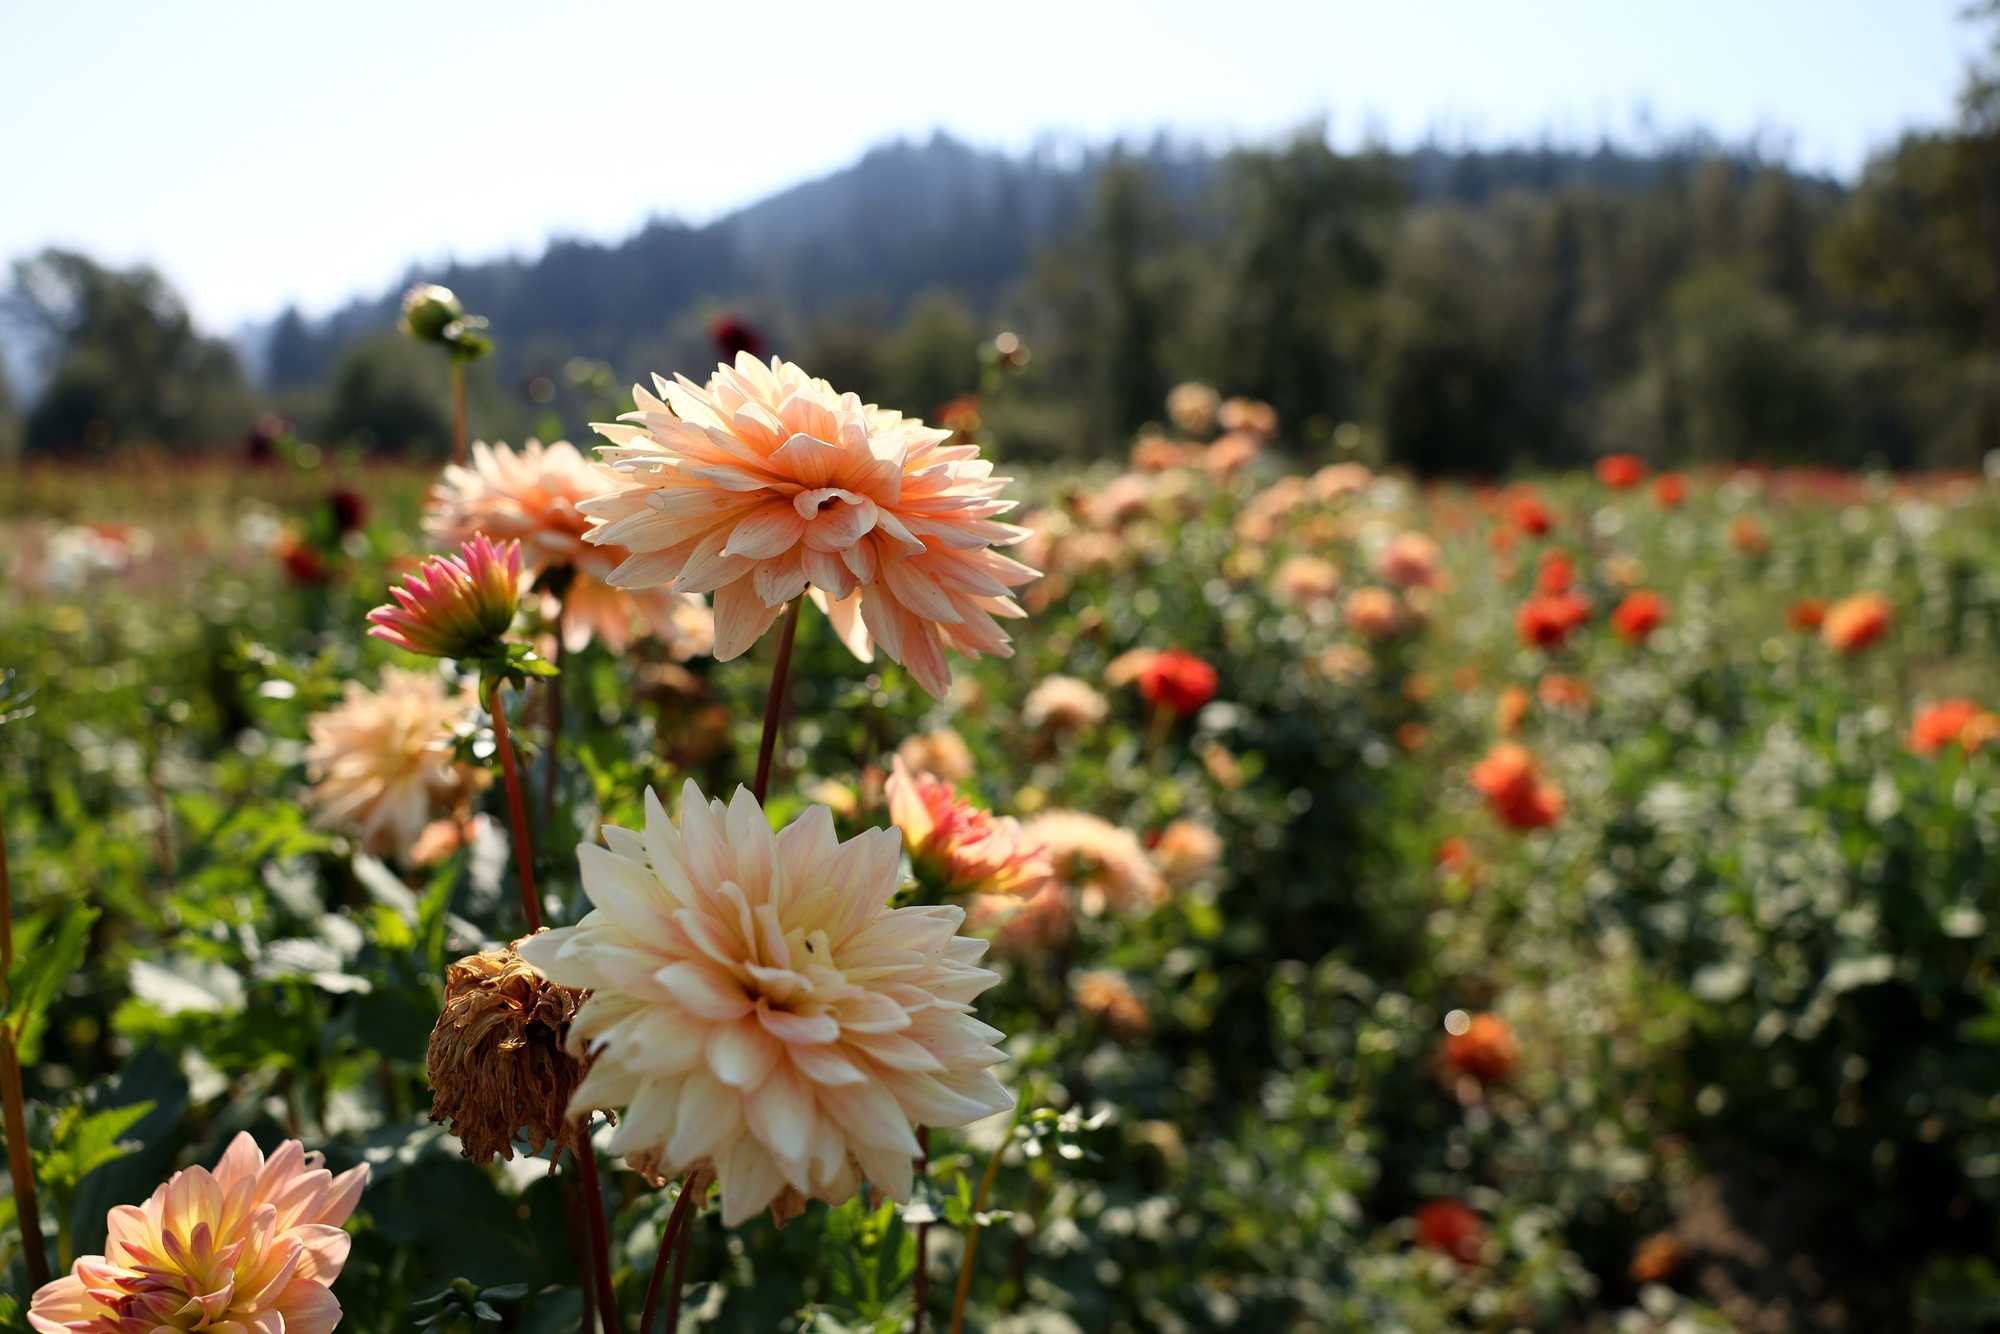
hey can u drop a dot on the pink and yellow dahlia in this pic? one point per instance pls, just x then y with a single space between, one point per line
766 483
961 846
532 495
757 1006
455 606
254 1245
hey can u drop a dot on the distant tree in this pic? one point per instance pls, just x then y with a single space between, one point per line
124 359
386 398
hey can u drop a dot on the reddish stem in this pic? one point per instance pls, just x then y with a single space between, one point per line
13 1101
600 1243
774 701
676 1224
920 1297
517 810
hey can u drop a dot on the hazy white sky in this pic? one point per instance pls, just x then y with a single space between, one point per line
267 153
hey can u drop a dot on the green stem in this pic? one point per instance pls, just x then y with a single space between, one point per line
979 1197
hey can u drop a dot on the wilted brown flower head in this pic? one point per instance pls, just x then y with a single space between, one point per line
497 1063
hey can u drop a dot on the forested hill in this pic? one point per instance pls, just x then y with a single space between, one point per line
906 218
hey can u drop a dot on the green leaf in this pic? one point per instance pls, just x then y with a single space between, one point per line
38 976
83 1143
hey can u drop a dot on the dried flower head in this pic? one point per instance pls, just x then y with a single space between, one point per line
252 1246
498 1064
383 762
756 1005
455 606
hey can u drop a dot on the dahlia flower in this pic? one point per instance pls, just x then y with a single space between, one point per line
942 754
959 845
766 483
1481 1047
1176 680
1621 471
1306 582
1514 788
1186 852
1192 406
382 761
1372 613
1107 997
1410 560
531 495
1952 720
1854 623
755 1004
455 606
1063 704
1638 616
1450 1228
254 1245
1547 621
1100 860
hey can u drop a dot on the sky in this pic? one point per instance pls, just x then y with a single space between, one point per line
265 154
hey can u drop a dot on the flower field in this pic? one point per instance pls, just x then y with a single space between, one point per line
1230 890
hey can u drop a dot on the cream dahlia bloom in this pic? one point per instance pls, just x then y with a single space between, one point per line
765 483
382 761
250 1248
757 1006
532 495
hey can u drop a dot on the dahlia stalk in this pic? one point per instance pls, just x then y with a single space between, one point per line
433 314
462 607
13 1099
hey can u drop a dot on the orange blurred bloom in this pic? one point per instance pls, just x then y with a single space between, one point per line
1557 691
1620 471
1854 623
1638 616
1747 536
1511 709
1486 1050
1952 720
1669 489
1372 613
1806 614
1657 1259
1514 788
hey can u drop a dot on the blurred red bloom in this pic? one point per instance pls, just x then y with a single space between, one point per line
1952 720
1455 858
1514 788
303 564
1547 622
733 334
349 510
1557 573
1853 623
1449 1228
1486 1051
1511 709
1639 615
1620 471
1177 680
1669 489
1557 691
1527 512
1806 614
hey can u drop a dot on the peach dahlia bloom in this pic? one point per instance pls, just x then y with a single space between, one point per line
532 495
382 762
1064 704
252 1247
1105 863
766 483
757 1006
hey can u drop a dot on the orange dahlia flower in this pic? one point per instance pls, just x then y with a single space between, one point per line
1514 788
1854 623
1638 616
